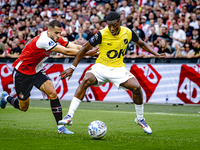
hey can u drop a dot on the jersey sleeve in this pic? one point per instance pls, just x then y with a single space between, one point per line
96 39
47 43
63 41
135 38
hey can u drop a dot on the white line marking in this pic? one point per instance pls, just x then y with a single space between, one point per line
149 113
125 112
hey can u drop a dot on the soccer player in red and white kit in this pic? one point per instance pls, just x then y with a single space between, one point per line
28 70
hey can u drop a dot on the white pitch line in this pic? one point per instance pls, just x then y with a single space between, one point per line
129 112
125 112
171 114
149 113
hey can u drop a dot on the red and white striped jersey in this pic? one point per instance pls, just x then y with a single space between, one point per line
35 52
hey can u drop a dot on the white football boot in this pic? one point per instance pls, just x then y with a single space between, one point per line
67 120
144 125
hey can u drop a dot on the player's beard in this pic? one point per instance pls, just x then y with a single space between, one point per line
53 38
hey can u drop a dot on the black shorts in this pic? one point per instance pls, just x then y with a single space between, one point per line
24 83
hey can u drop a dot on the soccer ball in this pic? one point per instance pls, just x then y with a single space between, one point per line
97 129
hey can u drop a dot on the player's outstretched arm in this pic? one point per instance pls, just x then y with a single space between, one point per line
73 46
72 51
92 52
147 48
68 72
64 50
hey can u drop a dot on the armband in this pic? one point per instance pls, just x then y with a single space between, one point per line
73 67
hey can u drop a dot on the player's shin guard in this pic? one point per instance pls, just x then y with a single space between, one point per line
13 101
56 109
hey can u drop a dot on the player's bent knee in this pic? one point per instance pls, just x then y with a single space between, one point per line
24 104
86 82
137 89
24 108
52 94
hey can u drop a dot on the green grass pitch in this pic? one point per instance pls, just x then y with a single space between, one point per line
174 127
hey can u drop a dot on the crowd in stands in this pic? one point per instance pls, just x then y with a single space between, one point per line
168 26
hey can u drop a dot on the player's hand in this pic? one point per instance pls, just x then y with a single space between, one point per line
162 56
67 73
94 52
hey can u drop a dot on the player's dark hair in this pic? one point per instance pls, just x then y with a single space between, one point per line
54 23
113 16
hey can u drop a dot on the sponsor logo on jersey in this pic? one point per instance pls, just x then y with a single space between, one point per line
125 41
51 43
96 36
65 39
92 39
110 44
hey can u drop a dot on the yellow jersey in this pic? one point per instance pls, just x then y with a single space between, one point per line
112 48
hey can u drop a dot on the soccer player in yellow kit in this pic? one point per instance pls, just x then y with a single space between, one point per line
109 66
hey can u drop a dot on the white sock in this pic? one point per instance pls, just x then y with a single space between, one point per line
73 106
139 111
59 126
6 98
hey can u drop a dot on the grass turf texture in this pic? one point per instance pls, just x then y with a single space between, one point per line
174 127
